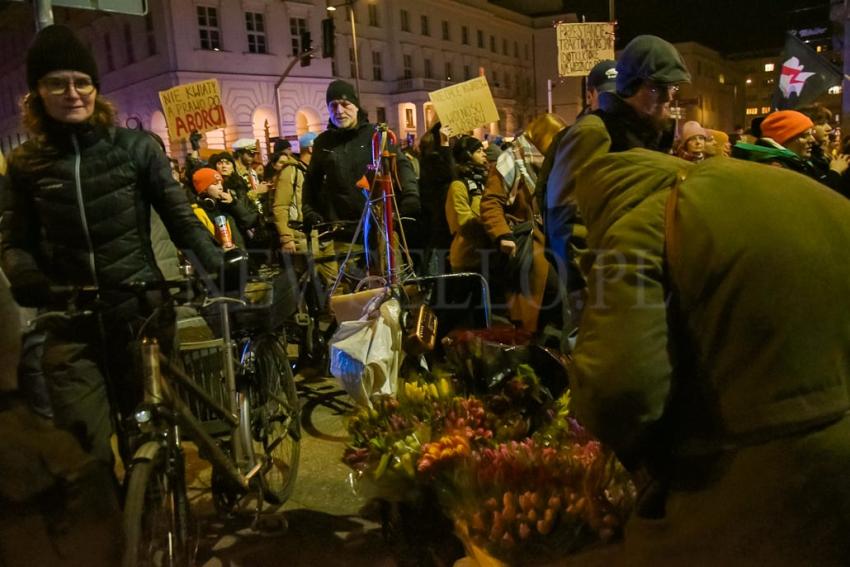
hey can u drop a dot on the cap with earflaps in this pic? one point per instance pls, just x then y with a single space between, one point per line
649 58
56 48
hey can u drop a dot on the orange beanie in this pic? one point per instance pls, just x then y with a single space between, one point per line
205 177
783 125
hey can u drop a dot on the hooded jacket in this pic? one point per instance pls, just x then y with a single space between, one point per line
615 127
79 205
717 357
340 158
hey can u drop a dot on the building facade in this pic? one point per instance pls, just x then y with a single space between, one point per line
405 48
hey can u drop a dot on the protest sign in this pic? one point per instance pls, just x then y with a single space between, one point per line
581 46
195 106
465 106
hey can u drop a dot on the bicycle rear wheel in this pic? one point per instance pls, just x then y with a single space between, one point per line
157 520
275 419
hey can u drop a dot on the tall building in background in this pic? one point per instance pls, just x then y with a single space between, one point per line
406 49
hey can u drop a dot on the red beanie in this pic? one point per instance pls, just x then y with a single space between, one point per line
205 177
783 125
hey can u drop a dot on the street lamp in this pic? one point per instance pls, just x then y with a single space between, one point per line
349 4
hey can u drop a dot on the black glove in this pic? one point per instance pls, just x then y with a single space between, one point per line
31 289
195 140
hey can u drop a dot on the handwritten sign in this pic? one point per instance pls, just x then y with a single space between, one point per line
581 46
195 106
465 106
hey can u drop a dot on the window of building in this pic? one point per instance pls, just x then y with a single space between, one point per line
481 39
377 66
151 38
408 65
446 31
255 26
373 16
526 51
752 111
296 26
405 21
408 118
495 78
765 109
208 28
507 80
769 67
834 90
426 30
464 35
380 114
493 43
467 72
129 51
449 71
516 50
429 73
107 48
351 64
721 78
504 47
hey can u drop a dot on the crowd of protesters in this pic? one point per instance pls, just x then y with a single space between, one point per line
700 294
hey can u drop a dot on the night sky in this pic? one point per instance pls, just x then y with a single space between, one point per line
729 26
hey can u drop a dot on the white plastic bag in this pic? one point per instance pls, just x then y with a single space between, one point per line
365 354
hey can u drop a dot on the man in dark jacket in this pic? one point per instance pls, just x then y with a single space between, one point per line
78 213
637 115
341 156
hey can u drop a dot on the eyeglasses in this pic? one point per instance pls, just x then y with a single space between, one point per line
669 91
57 86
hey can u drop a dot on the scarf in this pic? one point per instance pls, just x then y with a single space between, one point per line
522 161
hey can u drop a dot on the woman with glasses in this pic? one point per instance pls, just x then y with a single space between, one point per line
77 213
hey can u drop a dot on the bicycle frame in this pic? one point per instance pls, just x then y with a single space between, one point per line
161 399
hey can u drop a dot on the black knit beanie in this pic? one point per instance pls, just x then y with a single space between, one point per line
464 147
56 48
341 90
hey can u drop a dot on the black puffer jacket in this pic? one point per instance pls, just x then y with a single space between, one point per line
79 205
340 159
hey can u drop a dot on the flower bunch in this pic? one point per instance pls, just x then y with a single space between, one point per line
512 468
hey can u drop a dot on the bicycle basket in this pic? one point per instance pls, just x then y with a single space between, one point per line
202 357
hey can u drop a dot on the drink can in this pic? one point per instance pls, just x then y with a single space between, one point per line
222 232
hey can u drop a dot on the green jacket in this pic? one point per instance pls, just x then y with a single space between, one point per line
731 395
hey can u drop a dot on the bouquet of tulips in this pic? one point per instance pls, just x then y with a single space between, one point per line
517 474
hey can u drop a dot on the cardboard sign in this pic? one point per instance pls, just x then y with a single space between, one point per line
581 46
196 106
465 106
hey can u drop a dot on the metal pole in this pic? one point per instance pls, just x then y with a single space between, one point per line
350 5
612 11
43 13
549 95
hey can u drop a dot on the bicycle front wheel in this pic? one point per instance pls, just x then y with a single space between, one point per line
157 520
275 419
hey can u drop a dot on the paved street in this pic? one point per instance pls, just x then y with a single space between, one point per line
323 515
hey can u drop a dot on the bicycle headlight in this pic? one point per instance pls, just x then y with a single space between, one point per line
143 415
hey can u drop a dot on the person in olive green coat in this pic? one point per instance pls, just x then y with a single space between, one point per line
718 366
